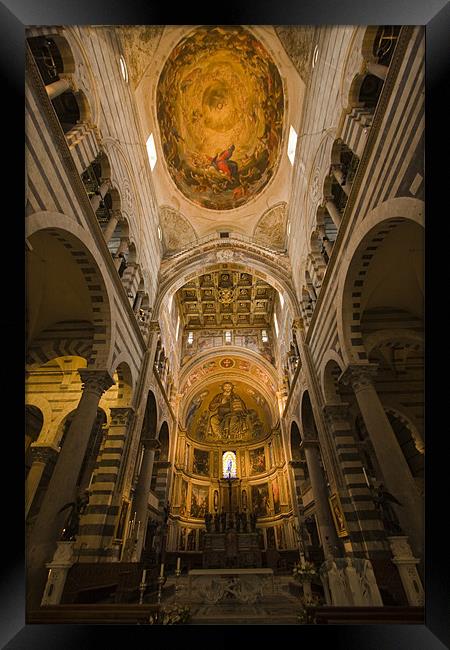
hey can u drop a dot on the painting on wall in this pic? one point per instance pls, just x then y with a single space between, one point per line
338 516
257 460
260 500
276 496
183 496
220 108
200 464
199 501
228 417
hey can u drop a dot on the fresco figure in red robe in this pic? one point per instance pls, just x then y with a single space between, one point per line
225 166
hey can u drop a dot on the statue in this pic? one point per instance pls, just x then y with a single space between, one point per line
77 508
383 500
244 522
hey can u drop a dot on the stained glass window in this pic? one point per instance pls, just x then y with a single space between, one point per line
229 464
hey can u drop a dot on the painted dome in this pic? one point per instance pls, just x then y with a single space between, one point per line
220 107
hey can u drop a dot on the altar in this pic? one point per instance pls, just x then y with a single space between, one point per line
231 550
211 586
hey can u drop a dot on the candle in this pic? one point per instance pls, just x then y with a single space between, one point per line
178 563
144 575
365 476
162 570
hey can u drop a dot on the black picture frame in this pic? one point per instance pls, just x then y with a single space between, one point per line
435 15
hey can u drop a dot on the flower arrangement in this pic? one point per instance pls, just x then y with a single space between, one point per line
305 615
174 615
304 572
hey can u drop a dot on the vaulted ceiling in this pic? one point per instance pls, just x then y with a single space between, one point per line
220 107
219 101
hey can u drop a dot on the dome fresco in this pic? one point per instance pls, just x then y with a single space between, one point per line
220 107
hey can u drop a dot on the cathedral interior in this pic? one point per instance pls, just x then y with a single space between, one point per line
224 402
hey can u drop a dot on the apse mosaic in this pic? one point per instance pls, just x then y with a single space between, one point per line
220 107
228 411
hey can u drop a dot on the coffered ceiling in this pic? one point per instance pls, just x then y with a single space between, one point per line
225 298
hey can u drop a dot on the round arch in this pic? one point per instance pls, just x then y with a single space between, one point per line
385 217
206 258
76 241
326 379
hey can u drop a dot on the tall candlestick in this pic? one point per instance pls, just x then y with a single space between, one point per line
178 563
144 575
162 570
365 476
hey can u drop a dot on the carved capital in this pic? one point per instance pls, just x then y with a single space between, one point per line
121 416
336 412
308 443
96 381
153 326
151 443
298 324
359 376
41 454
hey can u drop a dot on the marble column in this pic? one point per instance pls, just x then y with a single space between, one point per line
105 489
62 487
140 297
319 488
111 225
406 564
123 246
57 88
42 455
396 473
140 501
333 212
377 69
100 194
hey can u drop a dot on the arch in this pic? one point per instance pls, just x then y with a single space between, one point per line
331 361
149 423
407 420
295 441
125 382
386 216
69 236
207 258
164 440
44 407
34 422
307 417
380 337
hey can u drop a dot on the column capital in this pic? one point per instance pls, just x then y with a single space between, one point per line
151 443
298 324
297 464
337 411
43 453
309 443
154 326
96 381
359 376
121 415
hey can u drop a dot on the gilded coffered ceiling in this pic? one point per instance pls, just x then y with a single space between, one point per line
220 109
225 298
